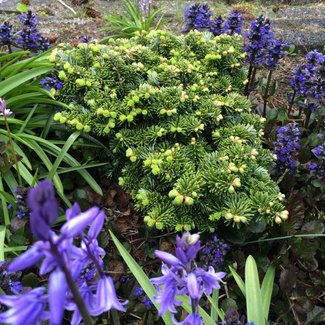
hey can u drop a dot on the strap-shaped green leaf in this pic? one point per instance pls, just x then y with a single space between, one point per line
254 303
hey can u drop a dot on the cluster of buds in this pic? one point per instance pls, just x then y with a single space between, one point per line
179 199
281 216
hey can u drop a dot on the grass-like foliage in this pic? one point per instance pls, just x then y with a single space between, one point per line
136 18
184 140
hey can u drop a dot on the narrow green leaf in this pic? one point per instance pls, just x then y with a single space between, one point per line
140 276
254 304
2 243
20 78
70 141
215 310
266 290
239 281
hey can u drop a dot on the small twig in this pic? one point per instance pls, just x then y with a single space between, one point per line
65 5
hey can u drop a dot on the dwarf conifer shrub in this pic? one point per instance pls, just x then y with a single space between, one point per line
184 140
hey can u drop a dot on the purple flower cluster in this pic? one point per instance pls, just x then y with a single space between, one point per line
287 146
51 82
71 285
213 252
4 111
232 317
29 37
233 23
258 39
308 80
184 277
9 282
276 51
198 16
216 26
144 5
7 35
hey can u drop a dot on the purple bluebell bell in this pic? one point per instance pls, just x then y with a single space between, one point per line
27 308
44 209
4 111
287 146
197 16
233 23
144 5
184 277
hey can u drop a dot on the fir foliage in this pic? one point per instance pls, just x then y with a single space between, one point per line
184 140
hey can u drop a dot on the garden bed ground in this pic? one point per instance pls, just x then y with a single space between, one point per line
302 25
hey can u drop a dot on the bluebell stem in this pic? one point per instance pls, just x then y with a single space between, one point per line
67 264
287 146
197 16
184 277
233 23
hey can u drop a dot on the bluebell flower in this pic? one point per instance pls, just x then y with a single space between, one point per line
44 209
27 308
233 23
60 257
191 319
106 297
287 146
184 277
144 5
